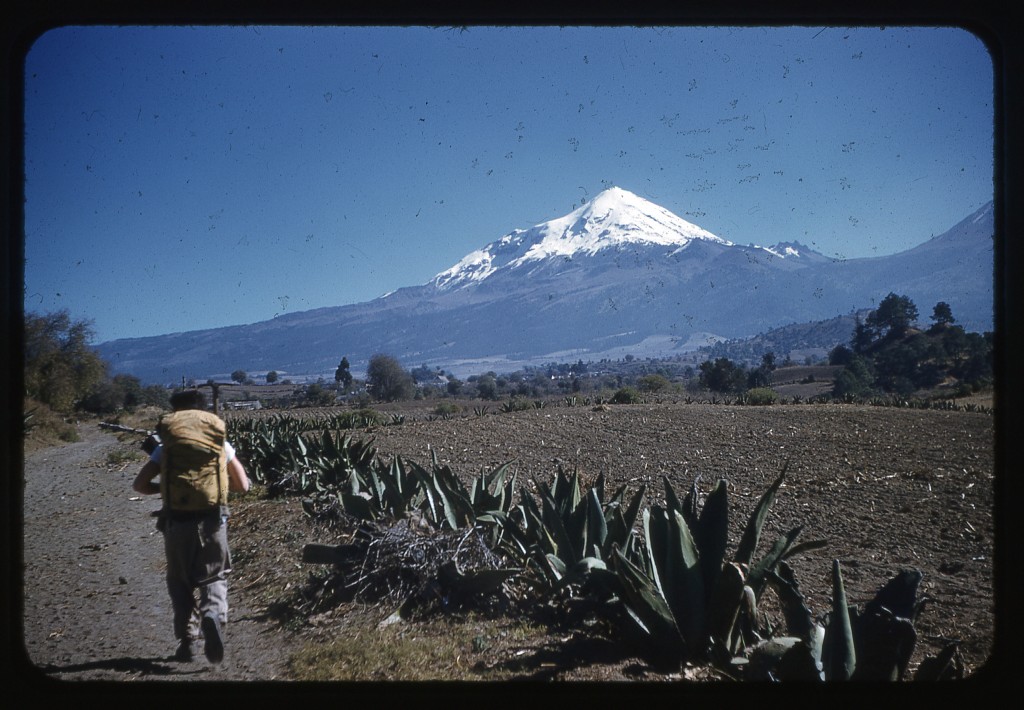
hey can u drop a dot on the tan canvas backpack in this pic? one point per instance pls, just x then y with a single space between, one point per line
193 464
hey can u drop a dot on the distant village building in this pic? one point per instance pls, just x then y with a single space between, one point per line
243 404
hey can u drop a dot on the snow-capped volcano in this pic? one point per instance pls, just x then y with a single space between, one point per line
617 276
613 219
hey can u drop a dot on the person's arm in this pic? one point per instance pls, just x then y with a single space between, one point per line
144 481
237 480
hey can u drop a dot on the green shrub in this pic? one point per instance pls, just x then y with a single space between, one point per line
626 395
762 395
444 408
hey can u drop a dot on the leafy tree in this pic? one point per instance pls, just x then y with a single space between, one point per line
317 395
902 360
239 376
424 373
761 396
387 380
761 377
130 388
626 395
454 385
863 337
105 398
272 377
975 367
122 392
856 379
60 366
156 396
908 364
342 375
487 387
840 355
942 314
955 342
722 375
652 383
893 317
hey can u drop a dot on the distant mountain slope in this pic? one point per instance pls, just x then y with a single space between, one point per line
618 273
799 340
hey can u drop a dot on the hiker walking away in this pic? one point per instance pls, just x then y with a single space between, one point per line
197 467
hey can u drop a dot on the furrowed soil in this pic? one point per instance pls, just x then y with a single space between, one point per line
889 489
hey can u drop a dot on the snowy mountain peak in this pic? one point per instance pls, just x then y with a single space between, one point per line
615 217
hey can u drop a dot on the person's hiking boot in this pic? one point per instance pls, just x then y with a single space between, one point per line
184 652
213 644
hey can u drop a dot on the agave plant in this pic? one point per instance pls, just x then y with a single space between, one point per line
572 531
683 599
870 644
380 491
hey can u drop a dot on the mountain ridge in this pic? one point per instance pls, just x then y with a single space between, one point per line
598 281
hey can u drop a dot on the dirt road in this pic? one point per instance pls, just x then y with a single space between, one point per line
95 604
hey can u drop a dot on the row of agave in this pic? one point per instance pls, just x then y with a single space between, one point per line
674 590
287 458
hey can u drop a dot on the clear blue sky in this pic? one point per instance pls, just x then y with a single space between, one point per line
196 177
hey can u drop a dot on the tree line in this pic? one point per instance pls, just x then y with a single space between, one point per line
63 372
887 352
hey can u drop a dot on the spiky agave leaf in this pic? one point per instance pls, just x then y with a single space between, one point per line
884 631
449 491
580 572
656 543
621 521
393 498
712 534
752 532
492 491
839 655
564 491
432 500
804 547
799 619
671 499
596 527
756 576
885 643
688 507
723 610
554 526
647 607
685 593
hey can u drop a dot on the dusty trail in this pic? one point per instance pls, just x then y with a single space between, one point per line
95 604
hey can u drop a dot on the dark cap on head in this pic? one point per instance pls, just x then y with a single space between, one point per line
188 399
